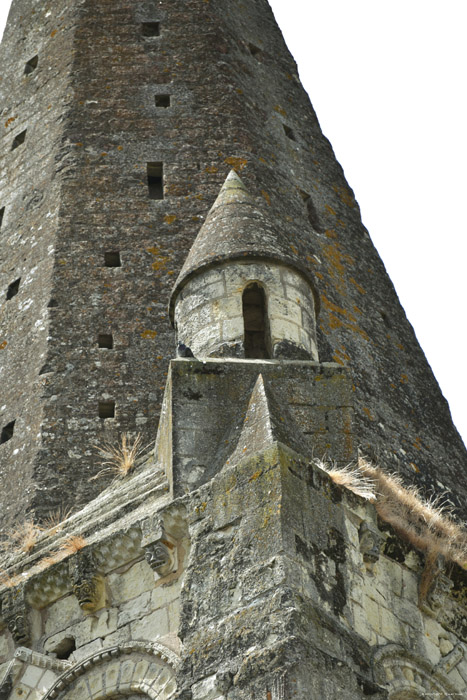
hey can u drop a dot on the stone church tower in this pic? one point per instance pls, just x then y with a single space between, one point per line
183 264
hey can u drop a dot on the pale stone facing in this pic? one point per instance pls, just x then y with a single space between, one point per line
208 311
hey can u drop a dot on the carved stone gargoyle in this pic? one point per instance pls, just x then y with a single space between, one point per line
15 613
370 544
160 549
88 583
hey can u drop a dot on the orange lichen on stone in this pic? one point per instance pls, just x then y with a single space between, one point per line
329 209
148 334
53 32
404 379
358 287
266 197
341 356
368 413
161 260
3 345
211 169
9 121
236 162
169 218
279 109
344 195
417 443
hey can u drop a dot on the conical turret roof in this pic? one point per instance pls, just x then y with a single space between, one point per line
238 226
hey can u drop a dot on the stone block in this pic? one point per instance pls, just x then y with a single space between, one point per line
135 608
62 614
86 650
80 691
32 676
132 583
121 635
162 595
232 329
151 627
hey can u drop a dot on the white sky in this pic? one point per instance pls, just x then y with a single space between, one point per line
387 80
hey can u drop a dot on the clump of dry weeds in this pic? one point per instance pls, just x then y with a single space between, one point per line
350 477
54 521
121 459
72 544
426 524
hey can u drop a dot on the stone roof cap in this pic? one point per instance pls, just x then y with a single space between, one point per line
238 227
267 422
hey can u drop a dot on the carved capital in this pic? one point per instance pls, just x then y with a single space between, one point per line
370 544
160 549
88 583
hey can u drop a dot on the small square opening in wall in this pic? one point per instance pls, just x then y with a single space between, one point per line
7 432
289 133
106 409
13 288
105 340
151 29
31 65
18 140
156 180
112 258
162 100
2 213
255 51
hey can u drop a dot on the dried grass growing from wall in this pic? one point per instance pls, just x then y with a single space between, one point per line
427 524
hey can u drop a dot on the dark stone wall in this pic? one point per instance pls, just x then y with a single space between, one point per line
92 126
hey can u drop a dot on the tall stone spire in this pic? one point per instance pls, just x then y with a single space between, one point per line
119 130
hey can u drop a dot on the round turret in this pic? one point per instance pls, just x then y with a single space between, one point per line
241 293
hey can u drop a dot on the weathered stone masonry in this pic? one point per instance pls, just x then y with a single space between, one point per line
77 189
162 169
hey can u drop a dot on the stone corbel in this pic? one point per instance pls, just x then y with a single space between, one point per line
88 582
370 544
435 586
160 549
15 613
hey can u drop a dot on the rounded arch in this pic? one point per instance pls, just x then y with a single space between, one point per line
408 676
257 336
132 670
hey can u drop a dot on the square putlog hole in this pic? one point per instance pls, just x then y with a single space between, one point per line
150 29
12 290
18 140
112 258
162 100
31 65
105 340
106 409
7 432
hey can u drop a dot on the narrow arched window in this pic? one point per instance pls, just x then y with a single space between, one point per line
256 338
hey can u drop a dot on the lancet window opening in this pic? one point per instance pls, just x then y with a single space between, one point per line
257 341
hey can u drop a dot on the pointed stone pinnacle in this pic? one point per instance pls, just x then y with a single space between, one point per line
233 191
266 423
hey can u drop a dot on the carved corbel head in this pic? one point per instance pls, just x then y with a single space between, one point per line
88 583
160 549
434 585
439 591
15 614
370 544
